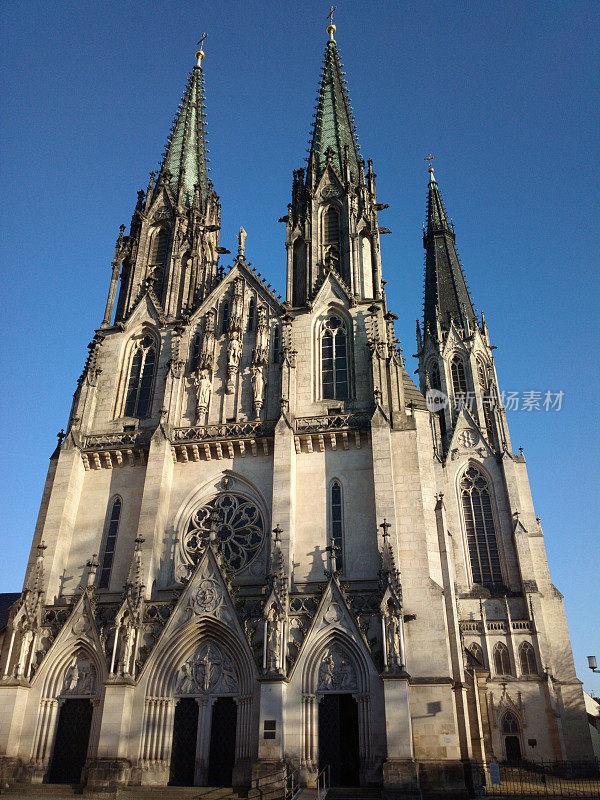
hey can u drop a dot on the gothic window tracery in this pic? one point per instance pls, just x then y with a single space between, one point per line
527 659
331 237
141 378
476 652
110 542
434 376
459 378
479 527
239 529
158 247
336 533
334 360
501 660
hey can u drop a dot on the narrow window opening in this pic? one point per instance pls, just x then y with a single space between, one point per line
459 378
527 659
110 544
501 660
224 316
337 525
251 313
276 344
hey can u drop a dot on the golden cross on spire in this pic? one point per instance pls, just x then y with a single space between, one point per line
202 38
330 15
429 158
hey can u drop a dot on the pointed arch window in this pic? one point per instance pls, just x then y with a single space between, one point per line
194 351
337 524
334 360
159 246
276 344
251 314
434 376
527 659
480 529
331 237
110 543
501 660
224 316
511 731
141 379
459 378
484 383
476 652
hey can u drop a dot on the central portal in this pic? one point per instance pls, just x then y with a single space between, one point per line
338 738
222 742
185 734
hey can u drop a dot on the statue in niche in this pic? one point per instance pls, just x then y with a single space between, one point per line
273 641
208 342
392 638
234 351
80 677
203 391
237 311
336 671
261 350
258 387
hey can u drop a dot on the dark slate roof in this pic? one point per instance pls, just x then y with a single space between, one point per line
334 126
186 145
7 599
445 284
412 394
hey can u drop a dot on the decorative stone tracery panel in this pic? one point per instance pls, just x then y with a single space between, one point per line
208 671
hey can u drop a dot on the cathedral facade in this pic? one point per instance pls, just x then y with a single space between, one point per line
259 544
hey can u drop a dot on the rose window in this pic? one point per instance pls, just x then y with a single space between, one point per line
239 529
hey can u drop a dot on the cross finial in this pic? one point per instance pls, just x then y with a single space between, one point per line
384 527
429 158
331 26
277 531
200 53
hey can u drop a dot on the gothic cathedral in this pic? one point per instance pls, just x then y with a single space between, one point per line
258 544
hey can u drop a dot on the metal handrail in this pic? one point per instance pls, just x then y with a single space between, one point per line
323 782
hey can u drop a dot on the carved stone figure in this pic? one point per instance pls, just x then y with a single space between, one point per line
208 671
80 677
258 388
392 639
208 343
242 242
237 309
234 351
203 392
273 642
336 671
261 349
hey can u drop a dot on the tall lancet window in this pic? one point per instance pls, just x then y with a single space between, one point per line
331 237
141 379
459 378
110 542
334 360
158 247
194 351
480 529
336 530
251 314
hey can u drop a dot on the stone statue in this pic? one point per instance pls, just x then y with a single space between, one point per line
237 311
258 387
234 351
203 391
392 639
273 642
242 242
261 349
208 342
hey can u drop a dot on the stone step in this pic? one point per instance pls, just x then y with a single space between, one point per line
43 791
353 793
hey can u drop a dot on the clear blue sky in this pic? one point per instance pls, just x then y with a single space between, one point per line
504 94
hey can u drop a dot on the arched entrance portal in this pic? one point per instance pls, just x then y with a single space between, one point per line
185 738
338 738
71 742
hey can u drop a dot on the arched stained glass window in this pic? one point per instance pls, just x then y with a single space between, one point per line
110 543
501 660
334 360
527 659
479 524
336 536
141 379
459 378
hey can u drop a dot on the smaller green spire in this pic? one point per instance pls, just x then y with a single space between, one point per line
186 153
333 128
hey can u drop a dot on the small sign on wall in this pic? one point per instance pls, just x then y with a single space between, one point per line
494 773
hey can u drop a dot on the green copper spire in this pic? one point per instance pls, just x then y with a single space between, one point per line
185 156
334 125
446 293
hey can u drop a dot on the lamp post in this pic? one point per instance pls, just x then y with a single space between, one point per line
592 663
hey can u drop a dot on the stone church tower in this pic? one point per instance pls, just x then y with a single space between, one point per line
256 543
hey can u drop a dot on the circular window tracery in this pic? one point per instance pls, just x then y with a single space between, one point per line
239 529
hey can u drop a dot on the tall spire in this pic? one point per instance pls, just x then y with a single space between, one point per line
446 293
333 128
185 153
